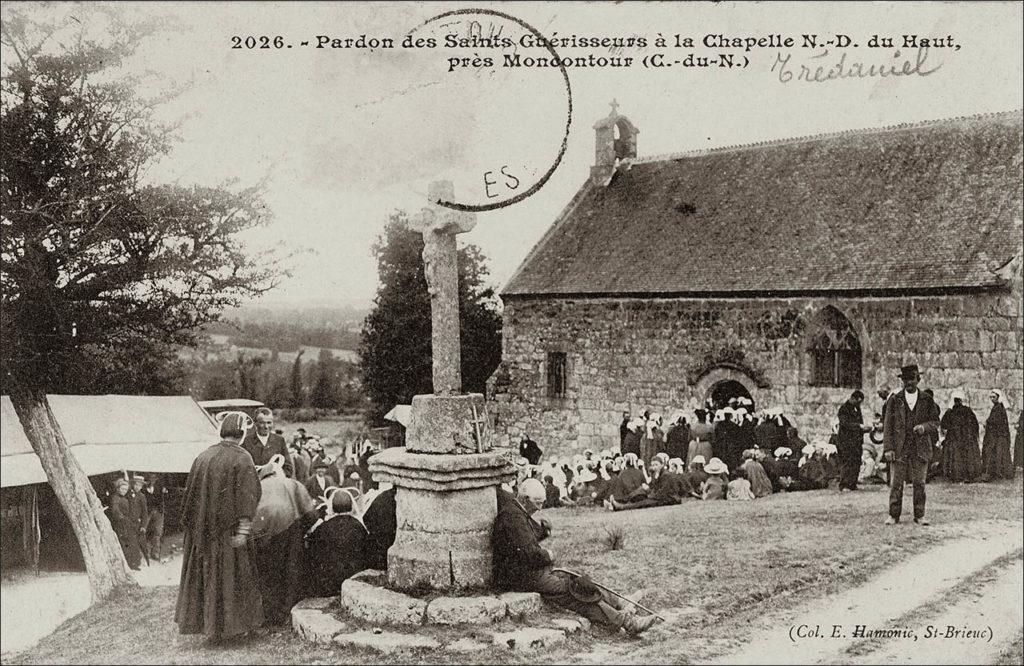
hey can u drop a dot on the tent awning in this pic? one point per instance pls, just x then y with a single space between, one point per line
400 414
107 433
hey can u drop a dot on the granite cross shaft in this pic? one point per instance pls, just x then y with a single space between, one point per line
439 225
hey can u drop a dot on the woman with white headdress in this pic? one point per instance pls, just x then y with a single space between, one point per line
284 513
336 545
995 449
960 453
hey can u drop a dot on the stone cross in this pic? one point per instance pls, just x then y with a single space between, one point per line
438 225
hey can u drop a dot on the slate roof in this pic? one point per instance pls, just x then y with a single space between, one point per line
931 206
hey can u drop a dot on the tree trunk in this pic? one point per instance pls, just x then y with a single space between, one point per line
104 560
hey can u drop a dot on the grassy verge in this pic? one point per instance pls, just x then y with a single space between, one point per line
721 568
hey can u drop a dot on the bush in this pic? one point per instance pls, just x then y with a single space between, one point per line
615 538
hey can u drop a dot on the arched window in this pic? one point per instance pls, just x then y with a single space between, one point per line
835 352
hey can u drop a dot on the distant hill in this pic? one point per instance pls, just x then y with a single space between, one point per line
286 327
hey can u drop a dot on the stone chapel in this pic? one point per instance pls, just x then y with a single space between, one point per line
789 271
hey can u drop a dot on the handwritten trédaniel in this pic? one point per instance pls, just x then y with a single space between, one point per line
897 66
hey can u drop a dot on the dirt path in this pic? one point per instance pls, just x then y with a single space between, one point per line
995 607
36 604
825 629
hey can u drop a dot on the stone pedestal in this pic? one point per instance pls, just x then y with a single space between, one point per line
448 424
445 506
445 497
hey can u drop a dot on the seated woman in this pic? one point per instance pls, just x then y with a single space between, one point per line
717 483
628 480
655 493
336 546
739 487
754 472
693 478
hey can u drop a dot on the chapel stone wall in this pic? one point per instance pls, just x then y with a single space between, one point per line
630 354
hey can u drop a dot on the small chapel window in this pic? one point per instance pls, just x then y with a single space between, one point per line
556 374
836 354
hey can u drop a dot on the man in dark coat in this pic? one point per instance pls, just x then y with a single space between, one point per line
522 565
318 484
336 547
382 524
850 441
125 521
139 512
263 443
961 455
156 503
623 431
530 450
218 594
909 426
300 462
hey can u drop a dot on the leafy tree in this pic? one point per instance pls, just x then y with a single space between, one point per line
395 351
298 394
95 264
325 390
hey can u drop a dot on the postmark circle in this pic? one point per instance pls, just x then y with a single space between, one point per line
541 173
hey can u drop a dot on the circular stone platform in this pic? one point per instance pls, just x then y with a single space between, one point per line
368 615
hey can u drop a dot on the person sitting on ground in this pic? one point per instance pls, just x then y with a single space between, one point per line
382 525
659 492
754 472
714 488
812 474
739 487
336 546
692 480
521 564
628 480
868 468
552 494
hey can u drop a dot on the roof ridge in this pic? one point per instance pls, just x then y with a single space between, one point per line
699 152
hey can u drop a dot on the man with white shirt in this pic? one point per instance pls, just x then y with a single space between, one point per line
910 423
263 443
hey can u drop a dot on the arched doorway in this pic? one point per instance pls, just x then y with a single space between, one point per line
725 390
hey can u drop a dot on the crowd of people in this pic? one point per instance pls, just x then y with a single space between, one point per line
258 537
136 510
257 541
735 453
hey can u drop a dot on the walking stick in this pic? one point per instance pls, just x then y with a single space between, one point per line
610 591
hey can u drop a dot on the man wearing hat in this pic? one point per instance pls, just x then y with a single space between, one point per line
139 512
156 501
910 423
125 521
521 564
318 483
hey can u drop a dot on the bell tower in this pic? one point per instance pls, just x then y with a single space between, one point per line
614 141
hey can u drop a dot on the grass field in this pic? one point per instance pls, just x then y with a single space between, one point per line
718 567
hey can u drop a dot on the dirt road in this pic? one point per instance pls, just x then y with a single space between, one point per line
959 602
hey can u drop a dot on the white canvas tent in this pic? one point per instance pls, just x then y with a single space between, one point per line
108 433
400 414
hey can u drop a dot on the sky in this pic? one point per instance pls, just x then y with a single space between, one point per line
343 137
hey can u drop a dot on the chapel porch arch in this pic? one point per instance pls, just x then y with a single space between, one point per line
720 375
